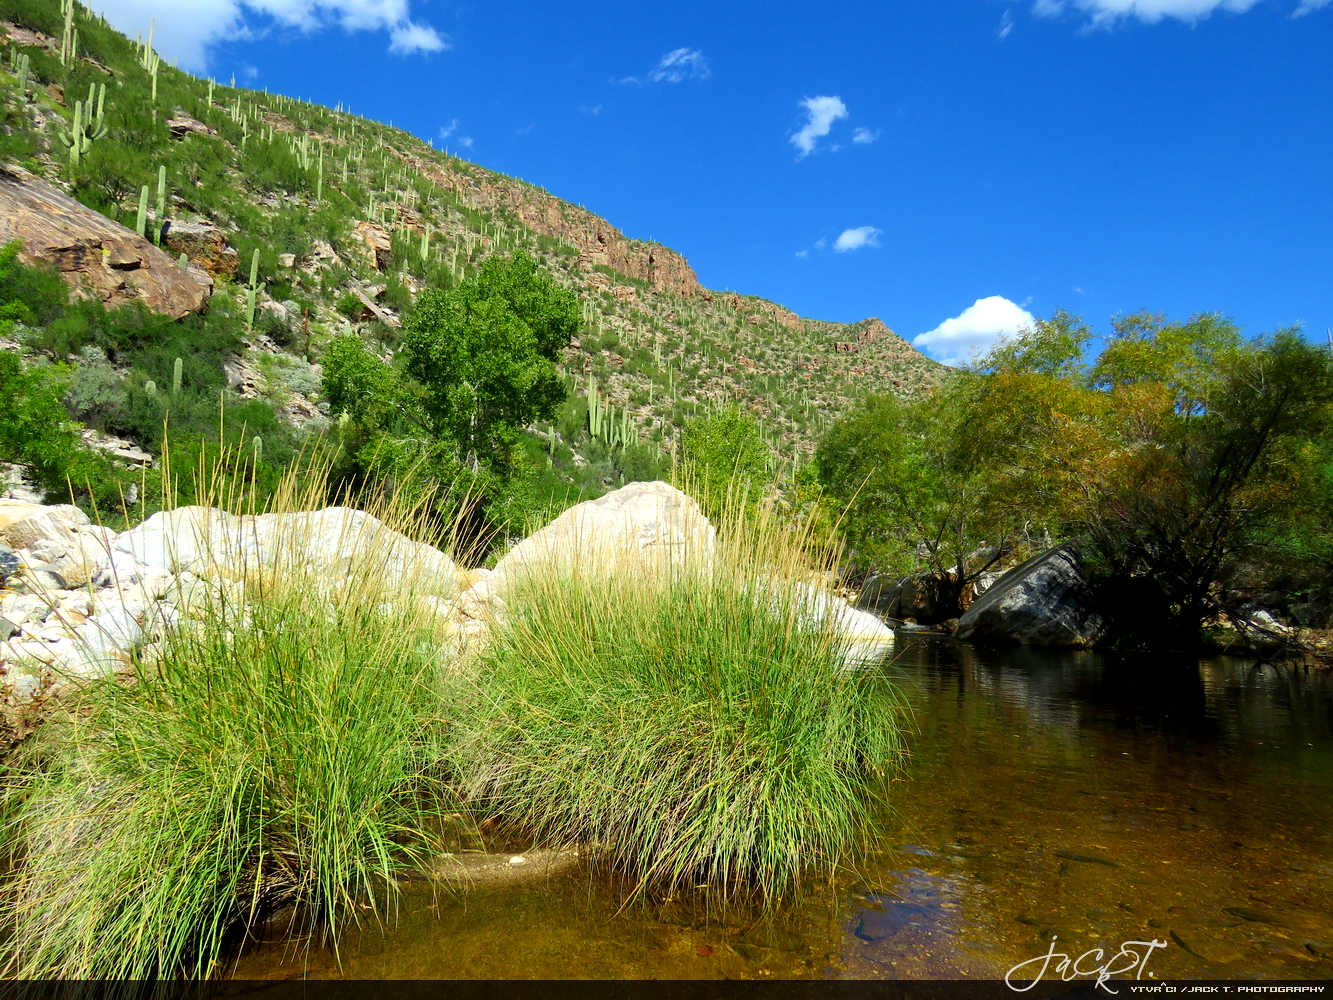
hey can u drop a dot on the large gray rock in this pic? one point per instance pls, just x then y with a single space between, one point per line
56 539
332 546
1042 602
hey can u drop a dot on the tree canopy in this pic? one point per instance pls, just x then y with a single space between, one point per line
1194 465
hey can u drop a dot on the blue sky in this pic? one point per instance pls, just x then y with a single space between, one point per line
948 166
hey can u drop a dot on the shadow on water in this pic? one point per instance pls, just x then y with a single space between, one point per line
1052 800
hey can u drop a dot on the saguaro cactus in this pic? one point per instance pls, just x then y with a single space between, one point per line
88 125
141 222
252 291
160 215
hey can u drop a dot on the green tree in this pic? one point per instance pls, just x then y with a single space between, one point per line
911 497
477 365
483 354
724 460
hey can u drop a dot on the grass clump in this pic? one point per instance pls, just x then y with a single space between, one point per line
284 749
696 723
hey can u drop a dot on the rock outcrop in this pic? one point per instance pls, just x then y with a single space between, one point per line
86 600
597 242
99 258
1042 602
205 246
323 545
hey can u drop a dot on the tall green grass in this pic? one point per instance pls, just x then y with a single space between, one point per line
285 748
692 718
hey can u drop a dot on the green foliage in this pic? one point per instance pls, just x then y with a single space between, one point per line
1186 458
484 352
723 454
697 727
358 383
31 295
96 393
38 435
284 750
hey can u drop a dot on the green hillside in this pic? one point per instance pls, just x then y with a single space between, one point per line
345 220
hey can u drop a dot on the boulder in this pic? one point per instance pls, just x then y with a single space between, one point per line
651 528
182 125
96 257
59 523
333 545
57 540
649 525
865 637
205 246
14 510
1042 602
378 244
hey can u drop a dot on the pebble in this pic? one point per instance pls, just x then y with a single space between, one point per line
518 859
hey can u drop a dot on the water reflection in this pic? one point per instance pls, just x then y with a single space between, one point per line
1094 800
1050 797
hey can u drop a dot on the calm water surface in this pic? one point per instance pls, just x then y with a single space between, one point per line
1069 798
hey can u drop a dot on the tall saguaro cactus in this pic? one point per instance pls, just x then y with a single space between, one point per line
160 215
88 125
68 37
252 291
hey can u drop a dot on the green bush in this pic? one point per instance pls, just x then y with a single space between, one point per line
31 295
285 750
697 726
722 453
38 435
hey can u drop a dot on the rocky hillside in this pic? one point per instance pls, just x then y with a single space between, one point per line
310 221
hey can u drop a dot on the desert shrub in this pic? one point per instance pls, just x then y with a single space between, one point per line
38 435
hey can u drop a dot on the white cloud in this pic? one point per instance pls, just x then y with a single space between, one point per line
1006 25
802 253
854 239
678 65
409 37
184 30
449 130
822 112
1105 13
864 135
1309 7
975 330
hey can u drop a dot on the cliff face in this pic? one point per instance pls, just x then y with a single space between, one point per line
597 241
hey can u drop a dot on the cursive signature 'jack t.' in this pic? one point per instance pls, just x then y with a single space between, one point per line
1068 968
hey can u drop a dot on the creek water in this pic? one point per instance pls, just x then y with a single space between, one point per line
1052 802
